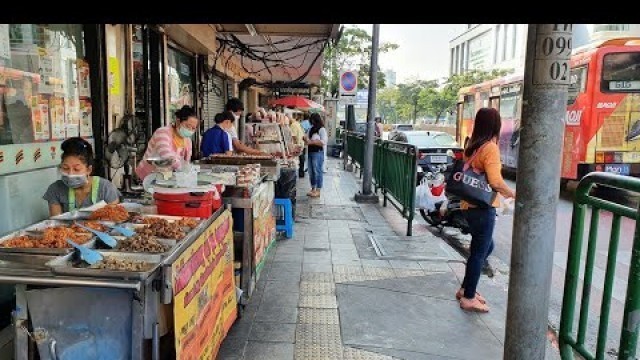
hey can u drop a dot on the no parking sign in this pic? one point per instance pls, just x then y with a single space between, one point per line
348 82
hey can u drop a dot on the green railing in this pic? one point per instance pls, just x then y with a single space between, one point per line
629 333
394 172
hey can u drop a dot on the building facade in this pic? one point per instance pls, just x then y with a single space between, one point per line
503 46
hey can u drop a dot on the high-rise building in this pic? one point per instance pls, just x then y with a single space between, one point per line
390 77
503 46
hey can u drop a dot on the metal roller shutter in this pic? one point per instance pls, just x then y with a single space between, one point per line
213 101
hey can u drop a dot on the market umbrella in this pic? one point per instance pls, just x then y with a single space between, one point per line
298 102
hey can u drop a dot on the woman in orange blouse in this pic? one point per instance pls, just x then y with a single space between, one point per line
484 142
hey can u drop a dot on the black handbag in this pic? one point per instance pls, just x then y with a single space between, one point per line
470 184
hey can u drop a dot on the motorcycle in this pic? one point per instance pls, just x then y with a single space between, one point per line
445 213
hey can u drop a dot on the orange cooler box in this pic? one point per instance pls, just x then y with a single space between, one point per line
193 204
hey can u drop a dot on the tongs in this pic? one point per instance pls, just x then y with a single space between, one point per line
88 255
104 237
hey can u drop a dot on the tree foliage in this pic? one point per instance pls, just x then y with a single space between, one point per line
409 105
353 51
437 102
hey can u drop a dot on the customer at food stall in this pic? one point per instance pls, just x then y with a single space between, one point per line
217 140
316 140
235 106
298 139
173 141
77 188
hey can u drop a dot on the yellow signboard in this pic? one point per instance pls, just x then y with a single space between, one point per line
204 297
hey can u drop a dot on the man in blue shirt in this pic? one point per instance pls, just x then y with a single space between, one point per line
217 140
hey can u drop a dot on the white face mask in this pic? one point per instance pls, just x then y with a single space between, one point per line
236 116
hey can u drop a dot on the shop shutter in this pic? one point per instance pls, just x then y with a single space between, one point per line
213 101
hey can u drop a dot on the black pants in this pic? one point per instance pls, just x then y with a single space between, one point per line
303 157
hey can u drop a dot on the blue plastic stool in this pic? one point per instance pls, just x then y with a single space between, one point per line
284 222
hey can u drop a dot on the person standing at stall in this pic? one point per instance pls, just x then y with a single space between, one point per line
77 188
173 142
217 140
298 139
316 140
235 106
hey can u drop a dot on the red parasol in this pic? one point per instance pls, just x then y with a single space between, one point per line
298 102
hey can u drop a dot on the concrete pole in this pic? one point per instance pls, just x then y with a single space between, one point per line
349 125
367 196
241 123
544 104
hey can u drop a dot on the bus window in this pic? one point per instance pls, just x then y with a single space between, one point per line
469 107
578 84
509 106
621 72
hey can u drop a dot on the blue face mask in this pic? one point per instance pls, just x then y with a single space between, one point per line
185 133
74 181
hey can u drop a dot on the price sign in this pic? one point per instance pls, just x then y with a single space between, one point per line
552 54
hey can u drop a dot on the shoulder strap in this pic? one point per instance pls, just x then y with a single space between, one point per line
467 163
94 189
72 199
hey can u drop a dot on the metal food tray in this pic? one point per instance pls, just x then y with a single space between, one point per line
68 265
40 251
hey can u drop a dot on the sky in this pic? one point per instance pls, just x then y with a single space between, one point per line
423 50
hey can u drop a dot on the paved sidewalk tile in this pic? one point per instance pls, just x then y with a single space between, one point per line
330 272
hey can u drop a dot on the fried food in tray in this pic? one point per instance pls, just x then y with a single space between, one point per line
164 228
142 242
52 238
111 212
110 263
95 225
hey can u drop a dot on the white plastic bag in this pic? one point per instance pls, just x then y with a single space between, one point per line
425 199
507 208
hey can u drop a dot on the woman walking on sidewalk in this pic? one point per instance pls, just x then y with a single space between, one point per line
484 153
316 141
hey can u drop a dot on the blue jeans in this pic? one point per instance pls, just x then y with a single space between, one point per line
481 223
316 165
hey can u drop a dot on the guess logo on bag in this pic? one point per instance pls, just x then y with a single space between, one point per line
473 182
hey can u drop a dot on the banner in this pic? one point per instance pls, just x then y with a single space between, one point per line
204 296
264 224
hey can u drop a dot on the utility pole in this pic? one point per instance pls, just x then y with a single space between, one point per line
544 104
367 196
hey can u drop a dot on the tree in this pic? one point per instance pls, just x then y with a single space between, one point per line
409 106
444 100
386 103
353 51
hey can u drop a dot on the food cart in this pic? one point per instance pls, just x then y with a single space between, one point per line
66 309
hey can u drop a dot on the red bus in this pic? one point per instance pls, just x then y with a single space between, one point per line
602 123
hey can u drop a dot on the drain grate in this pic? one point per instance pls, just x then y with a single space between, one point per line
328 212
411 248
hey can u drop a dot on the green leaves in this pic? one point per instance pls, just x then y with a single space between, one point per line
353 51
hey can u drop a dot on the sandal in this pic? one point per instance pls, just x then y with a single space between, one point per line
310 193
315 194
480 298
473 305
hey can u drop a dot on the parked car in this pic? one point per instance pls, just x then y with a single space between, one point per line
402 127
436 149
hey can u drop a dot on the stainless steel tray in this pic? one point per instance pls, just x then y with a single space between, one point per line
71 264
40 251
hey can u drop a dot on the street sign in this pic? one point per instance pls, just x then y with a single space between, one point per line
348 82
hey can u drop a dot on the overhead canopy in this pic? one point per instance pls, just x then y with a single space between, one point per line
292 51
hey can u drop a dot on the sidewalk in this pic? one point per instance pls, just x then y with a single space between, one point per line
350 286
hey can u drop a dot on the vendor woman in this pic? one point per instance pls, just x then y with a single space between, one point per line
77 188
173 142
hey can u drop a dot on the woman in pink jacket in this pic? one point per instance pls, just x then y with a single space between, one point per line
173 141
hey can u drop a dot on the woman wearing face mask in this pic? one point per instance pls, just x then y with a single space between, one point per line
217 140
172 141
77 188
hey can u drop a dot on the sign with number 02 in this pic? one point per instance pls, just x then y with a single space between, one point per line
552 54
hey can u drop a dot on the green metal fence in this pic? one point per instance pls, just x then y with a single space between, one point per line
394 172
629 333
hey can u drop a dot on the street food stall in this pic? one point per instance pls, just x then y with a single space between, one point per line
173 272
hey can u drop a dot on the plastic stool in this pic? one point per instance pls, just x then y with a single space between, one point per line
286 218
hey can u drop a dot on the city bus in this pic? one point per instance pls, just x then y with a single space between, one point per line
602 122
